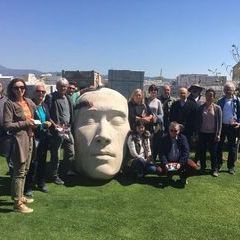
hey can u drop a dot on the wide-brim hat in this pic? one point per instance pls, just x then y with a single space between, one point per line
196 86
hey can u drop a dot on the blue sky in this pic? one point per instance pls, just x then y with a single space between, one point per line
177 36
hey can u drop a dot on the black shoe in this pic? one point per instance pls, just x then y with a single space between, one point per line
43 189
202 171
183 181
57 180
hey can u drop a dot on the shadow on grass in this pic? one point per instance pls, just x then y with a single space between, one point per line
5 185
151 180
157 181
79 180
4 204
126 179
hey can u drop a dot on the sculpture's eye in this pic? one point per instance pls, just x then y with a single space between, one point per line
118 120
90 121
88 118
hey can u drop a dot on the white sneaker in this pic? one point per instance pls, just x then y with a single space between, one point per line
21 208
27 200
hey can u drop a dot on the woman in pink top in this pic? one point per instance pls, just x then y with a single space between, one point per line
209 124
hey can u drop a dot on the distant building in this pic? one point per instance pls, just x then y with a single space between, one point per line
30 78
236 72
125 81
83 79
49 79
186 80
205 81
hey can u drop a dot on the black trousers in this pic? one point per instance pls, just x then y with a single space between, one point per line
231 134
207 142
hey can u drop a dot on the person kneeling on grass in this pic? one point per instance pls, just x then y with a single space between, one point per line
139 146
174 153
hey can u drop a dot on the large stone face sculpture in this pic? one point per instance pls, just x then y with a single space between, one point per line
100 133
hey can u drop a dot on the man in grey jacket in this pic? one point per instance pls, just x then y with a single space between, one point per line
61 113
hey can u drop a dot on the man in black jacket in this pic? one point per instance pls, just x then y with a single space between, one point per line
184 112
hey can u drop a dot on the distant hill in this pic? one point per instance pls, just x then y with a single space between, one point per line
20 72
17 72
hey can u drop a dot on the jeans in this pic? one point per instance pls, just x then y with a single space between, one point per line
231 134
56 142
142 167
41 162
207 141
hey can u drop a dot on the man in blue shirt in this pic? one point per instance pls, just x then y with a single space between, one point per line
230 106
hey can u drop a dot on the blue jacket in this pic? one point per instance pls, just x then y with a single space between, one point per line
166 145
236 105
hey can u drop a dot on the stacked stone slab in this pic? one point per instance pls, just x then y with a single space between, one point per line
125 81
83 78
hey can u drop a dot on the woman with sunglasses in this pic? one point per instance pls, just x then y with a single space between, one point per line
18 120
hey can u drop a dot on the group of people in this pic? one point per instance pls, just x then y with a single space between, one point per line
31 127
165 129
161 136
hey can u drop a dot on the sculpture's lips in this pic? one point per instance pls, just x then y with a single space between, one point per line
99 154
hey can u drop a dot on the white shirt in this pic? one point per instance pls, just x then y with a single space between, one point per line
174 152
132 148
228 111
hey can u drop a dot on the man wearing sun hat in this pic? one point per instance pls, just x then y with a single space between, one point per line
195 93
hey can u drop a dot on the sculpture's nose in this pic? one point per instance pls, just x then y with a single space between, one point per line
103 136
103 139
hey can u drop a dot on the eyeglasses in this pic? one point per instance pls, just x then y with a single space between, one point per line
40 91
19 88
71 88
173 130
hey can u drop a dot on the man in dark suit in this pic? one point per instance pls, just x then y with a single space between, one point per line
184 111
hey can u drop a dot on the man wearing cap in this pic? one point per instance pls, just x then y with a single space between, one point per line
196 97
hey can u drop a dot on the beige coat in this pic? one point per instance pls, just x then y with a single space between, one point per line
14 121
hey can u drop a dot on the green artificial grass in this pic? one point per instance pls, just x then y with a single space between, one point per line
207 208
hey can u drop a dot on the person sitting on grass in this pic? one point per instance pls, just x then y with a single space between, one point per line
174 153
139 147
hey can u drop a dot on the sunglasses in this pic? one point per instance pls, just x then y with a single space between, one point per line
40 91
173 130
19 88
